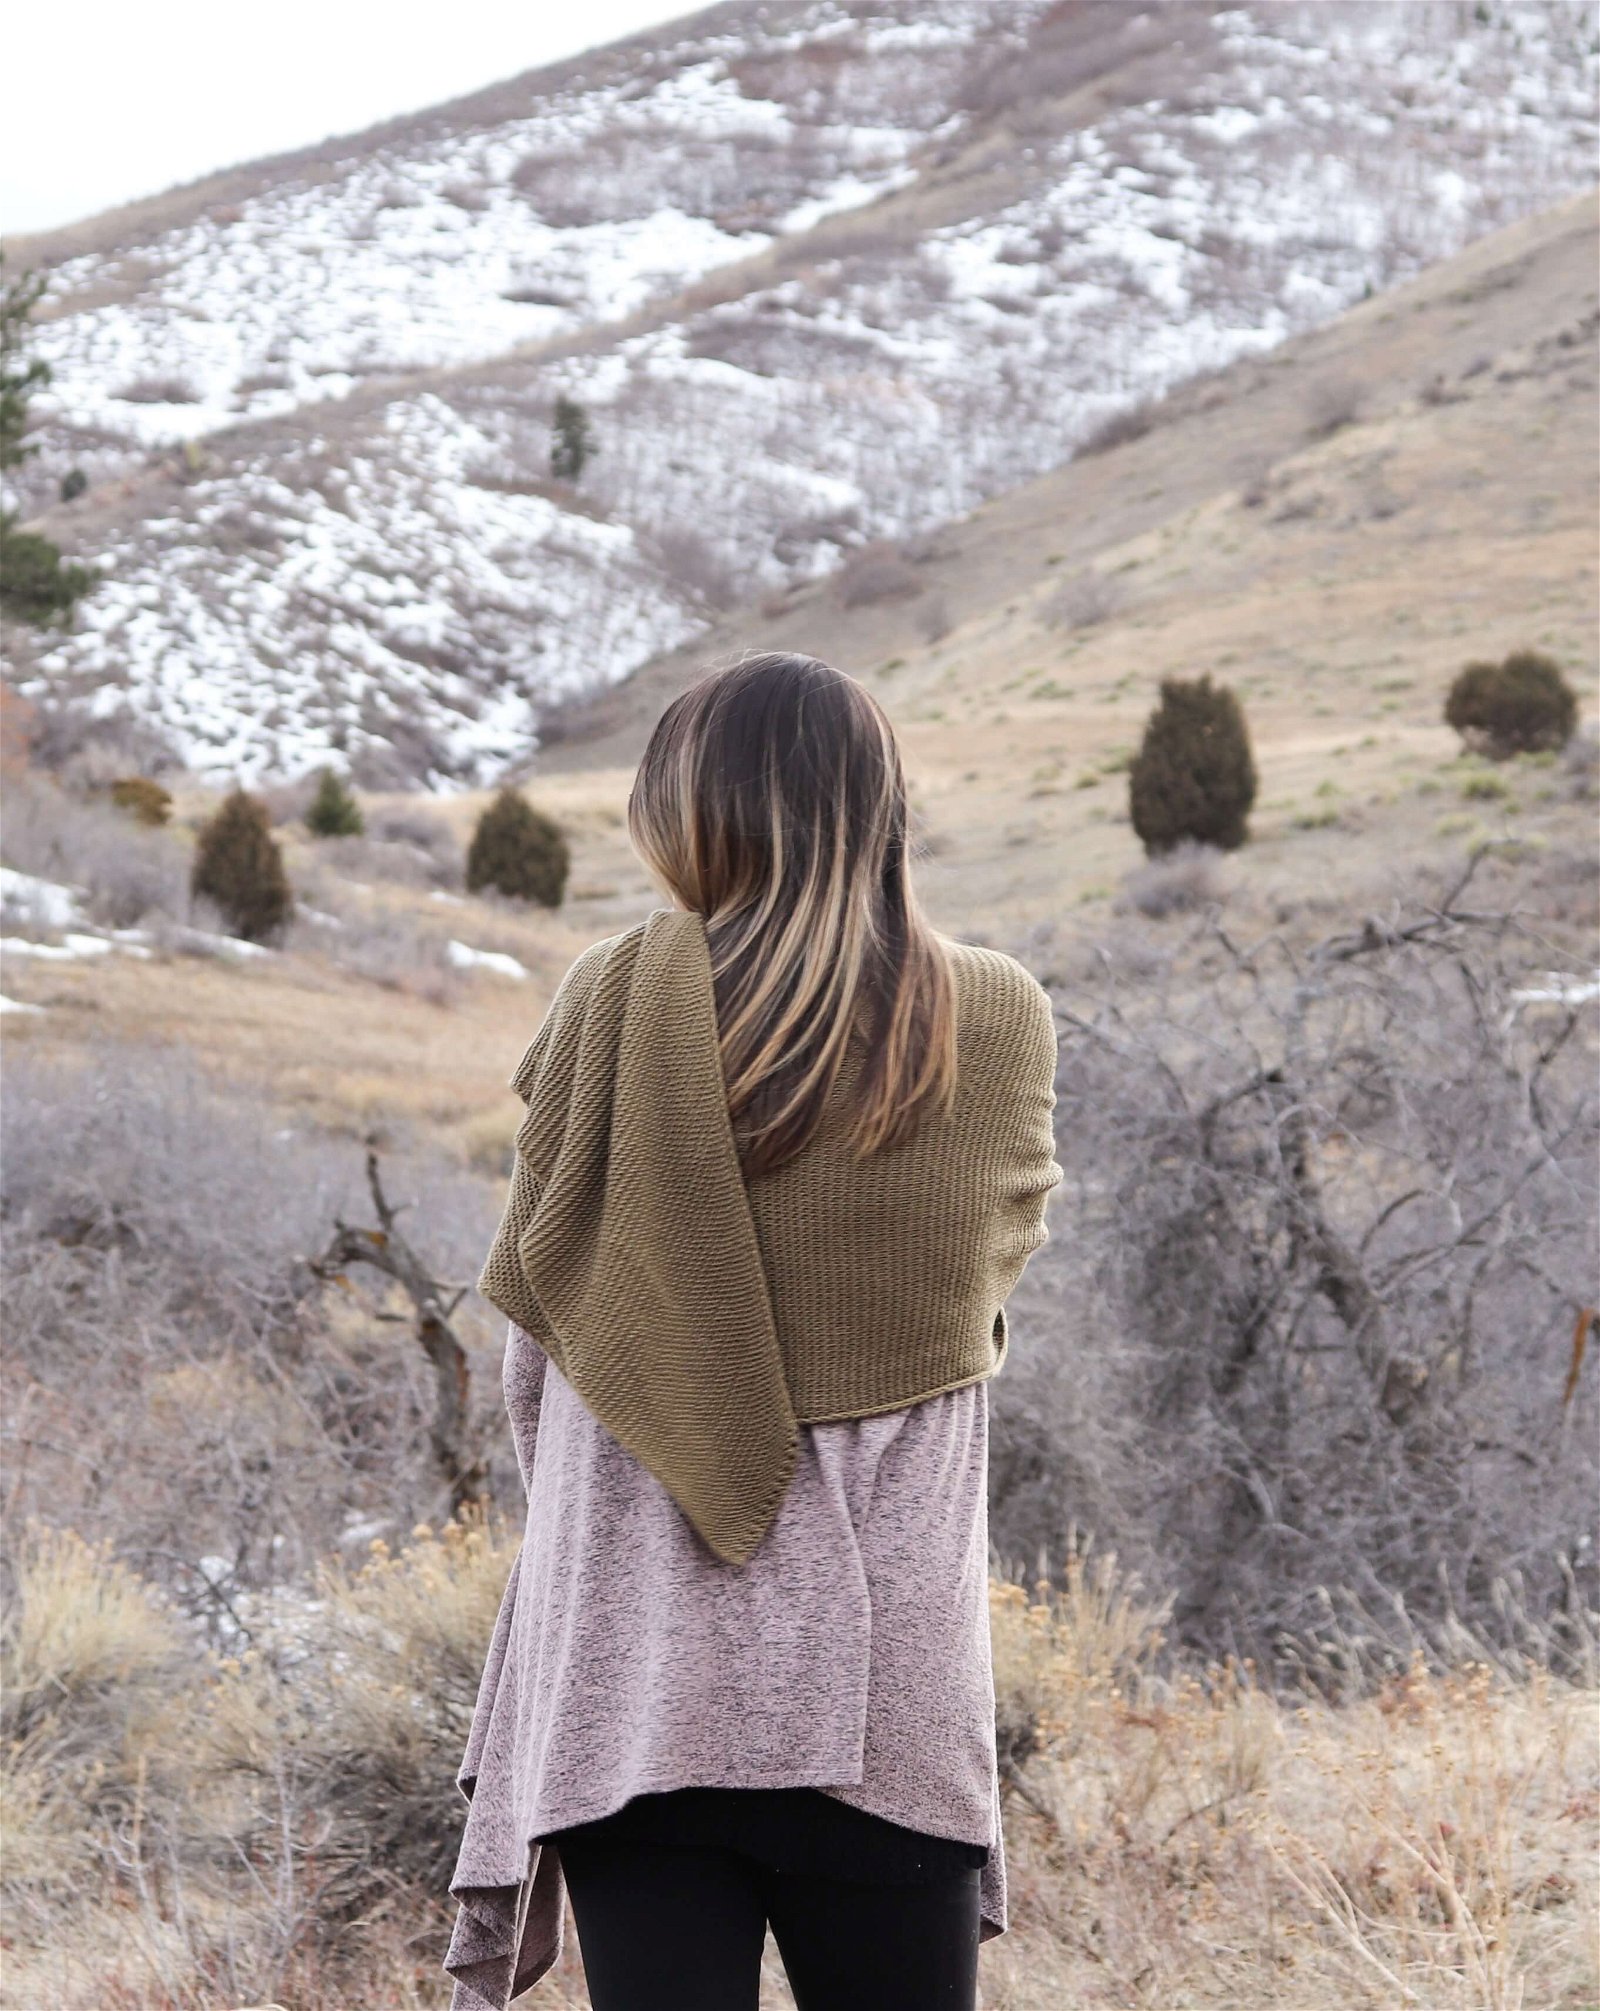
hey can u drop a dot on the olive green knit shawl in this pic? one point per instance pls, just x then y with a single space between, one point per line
702 1318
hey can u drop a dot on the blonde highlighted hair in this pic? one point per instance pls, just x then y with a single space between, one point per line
771 801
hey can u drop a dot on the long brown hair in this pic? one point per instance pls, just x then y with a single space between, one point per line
772 802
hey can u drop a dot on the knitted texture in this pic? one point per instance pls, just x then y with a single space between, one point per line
702 1319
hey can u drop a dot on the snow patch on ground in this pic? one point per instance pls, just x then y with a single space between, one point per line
39 904
71 948
1561 988
464 958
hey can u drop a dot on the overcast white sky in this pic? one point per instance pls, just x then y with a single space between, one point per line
107 100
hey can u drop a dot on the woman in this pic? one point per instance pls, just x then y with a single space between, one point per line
785 1153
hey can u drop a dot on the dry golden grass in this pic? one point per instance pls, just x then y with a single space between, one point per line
1176 1837
322 1041
1184 1838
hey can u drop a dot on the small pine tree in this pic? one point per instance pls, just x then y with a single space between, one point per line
334 812
239 867
1523 705
519 851
574 445
144 799
35 586
1194 776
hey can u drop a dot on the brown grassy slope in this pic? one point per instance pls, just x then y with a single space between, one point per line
320 1039
1337 581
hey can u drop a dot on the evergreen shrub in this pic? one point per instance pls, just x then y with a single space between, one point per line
238 866
519 851
334 811
1523 705
1193 778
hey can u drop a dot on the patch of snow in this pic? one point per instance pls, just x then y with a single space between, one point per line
367 1529
72 948
465 958
43 904
16 1005
203 943
1560 988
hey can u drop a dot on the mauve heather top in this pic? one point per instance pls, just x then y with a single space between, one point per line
851 1653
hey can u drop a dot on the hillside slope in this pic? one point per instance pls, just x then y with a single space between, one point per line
1333 529
823 275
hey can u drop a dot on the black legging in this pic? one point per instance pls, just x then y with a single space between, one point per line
680 1927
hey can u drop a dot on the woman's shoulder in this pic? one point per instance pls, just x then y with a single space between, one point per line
588 964
996 992
571 999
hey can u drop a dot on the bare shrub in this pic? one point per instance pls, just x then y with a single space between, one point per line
129 874
1580 764
1437 390
69 740
1297 508
1131 423
415 830
694 561
410 851
272 377
798 539
288 802
275 1822
934 620
1085 600
535 293
470 196
1331 1221
1257 484
737 336
929 547
1140 1783
385 945
1333 403
379 1702
1189 876
181 1380
875 573
159 390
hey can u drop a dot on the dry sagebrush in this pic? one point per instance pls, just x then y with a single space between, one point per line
1324 1251
179 1381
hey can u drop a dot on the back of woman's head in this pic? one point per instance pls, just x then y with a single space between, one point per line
771 801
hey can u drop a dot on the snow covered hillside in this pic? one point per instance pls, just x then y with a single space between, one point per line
822 274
